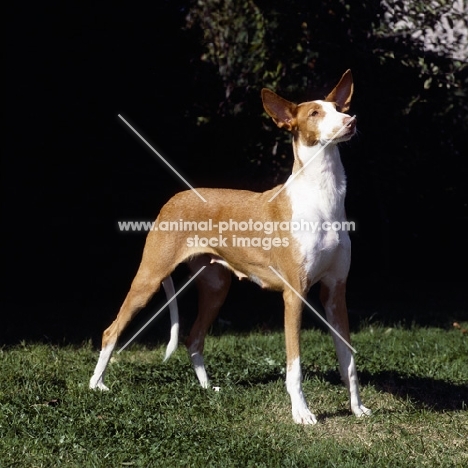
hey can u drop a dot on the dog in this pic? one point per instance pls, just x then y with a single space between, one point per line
289 261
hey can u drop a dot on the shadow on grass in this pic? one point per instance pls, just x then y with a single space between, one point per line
423 392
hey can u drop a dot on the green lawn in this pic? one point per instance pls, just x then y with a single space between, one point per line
415 380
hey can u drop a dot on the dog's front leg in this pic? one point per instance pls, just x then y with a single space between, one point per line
332 295
292 328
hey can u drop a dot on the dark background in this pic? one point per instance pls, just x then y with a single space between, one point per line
71 170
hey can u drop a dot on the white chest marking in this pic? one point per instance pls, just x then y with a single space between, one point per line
317 196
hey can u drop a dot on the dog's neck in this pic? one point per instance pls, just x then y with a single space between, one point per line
319 179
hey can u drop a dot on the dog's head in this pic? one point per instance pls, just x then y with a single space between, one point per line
315 122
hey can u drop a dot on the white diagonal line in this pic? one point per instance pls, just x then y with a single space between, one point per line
313 310
293 176
163 160
161 309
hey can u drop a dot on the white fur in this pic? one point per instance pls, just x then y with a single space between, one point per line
317 195
349 375
97 380
300 412
331 126
174 312
198 364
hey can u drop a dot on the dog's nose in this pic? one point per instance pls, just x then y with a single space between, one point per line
350 122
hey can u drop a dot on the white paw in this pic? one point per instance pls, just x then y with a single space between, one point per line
203 380
303 416
97 383
202 375
361 411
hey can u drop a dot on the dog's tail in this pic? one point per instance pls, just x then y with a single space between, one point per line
174 311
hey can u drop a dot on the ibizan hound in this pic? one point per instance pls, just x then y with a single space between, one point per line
292 263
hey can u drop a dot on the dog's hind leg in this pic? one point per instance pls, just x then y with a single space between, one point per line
174 311
142 289
213 285
154 268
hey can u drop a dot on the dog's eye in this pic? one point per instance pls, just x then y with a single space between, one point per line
314 113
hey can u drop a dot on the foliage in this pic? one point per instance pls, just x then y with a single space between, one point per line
432 39
299 47
234 41
252 45
440 26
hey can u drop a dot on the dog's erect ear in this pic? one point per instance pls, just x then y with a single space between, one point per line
280 110
342 92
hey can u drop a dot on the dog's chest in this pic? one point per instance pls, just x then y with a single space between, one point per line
319 212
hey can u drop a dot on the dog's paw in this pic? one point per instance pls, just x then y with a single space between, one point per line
98 384
361 411
204 383
304 416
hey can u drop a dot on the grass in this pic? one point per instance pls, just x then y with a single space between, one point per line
155 414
